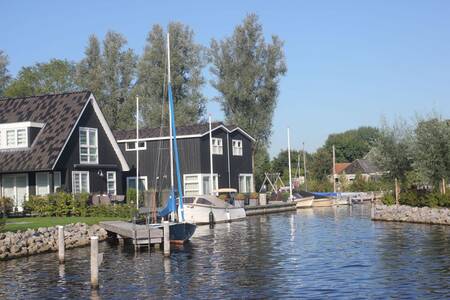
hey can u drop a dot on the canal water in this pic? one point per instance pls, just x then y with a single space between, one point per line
312 253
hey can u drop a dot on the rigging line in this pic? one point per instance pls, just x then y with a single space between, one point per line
157 171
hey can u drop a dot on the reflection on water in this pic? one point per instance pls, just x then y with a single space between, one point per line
314 253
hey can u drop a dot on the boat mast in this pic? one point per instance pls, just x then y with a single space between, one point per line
170 119
304 166
211 181
137 152
289 158
334 169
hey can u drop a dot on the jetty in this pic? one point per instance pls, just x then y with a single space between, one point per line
274 207
138 234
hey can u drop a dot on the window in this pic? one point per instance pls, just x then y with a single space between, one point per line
42 184
88 145
131 146
246 183
217 146
191 185
237 147
111 183
131 183
199 184
16 138
80 182
56 181
203 201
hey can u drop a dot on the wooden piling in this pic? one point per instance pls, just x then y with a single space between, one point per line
94 262
397 196
61 246
166 238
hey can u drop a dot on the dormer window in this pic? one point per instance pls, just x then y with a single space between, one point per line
88 145
18 135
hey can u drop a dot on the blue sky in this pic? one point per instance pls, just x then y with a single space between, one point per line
350 63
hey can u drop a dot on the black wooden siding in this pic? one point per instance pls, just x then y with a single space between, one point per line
107 158
194 159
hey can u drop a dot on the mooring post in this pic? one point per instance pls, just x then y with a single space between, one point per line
396 192
61 244
166 238
94 262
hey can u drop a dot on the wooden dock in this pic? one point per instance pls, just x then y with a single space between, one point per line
270 208
138 234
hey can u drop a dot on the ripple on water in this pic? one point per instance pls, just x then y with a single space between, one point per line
334 253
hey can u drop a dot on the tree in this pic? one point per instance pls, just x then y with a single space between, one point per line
431 150
5 77
247 72
90 70
110 73
56 76
187 62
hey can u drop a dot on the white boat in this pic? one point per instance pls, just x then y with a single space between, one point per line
304 202
323 202
197 210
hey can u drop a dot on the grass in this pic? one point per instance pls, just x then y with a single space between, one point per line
15 224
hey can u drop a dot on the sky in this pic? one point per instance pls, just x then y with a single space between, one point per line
350 63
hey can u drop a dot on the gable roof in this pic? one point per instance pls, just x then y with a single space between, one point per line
341 167
59 113
363 166
195 130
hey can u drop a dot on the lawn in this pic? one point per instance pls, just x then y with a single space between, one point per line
15 224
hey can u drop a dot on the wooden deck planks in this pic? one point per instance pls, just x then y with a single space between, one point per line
126 230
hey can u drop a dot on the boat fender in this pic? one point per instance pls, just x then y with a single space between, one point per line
211 218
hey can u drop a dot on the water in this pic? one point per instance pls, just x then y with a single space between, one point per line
320 253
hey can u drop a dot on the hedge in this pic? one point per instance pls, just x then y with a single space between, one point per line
419 199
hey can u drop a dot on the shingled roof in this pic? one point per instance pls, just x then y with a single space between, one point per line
59 114
188 130
362 166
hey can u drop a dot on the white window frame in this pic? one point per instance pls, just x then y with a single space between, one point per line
15 130
88 145
16 201
114 180
251 183
56 183
127 148
134 185
217 146
237 147
74 173
47 175
199 180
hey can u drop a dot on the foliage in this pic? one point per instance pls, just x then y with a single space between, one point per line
6 205
388 199
261 165
254 195
280 164
110 72
56 76
350 145
315 185
5 77
419 198
360 184
285 196
246 72
64 204
186 60
240 196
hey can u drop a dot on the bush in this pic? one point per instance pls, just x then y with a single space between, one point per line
6 205
254 195
64 204
285 196
388 199
240 196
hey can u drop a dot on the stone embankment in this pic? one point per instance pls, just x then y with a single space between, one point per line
34 241
404 213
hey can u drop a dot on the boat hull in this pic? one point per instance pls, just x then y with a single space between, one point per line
304 203
326 202
180 233
199 214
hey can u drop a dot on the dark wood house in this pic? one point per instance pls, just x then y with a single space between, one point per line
232 157
57 141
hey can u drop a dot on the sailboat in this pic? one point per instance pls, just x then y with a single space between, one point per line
180 230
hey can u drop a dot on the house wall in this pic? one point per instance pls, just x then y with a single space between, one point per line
240 164
220 162
107 158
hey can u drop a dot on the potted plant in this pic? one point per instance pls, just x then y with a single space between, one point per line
239 200
253 199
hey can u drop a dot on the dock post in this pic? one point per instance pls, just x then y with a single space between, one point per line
61 246
166 238
94 262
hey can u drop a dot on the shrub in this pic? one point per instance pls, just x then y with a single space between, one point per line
223 197
254 195
388 199
240 196
6 206
285 196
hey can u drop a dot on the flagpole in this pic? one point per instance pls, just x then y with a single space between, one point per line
137 152
289 158
211 181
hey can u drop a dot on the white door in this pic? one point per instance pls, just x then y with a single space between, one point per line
16 187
